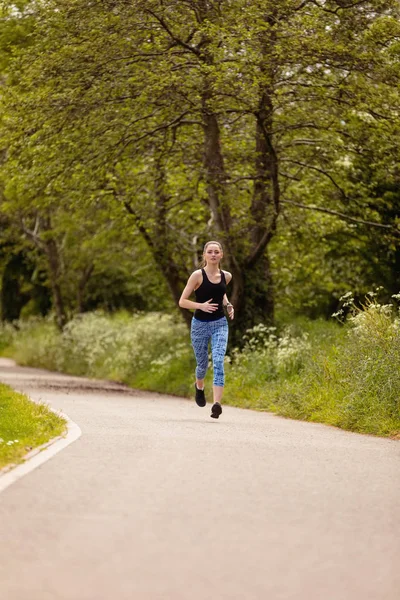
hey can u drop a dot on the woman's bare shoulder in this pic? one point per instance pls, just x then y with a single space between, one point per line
196 277
228 276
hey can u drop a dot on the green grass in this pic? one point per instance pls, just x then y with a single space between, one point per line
347 376
24 425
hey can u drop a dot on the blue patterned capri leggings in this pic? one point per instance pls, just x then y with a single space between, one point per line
201 333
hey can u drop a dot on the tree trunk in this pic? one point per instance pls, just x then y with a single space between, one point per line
162 247
48 245
54 270
81 287
13 299
256 302
174 280
253 299
214 168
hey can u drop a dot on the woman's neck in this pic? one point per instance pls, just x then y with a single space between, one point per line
212 269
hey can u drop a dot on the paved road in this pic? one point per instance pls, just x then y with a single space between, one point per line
158 501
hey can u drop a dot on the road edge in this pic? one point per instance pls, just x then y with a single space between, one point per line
42 454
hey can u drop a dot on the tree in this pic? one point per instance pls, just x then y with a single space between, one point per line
237 100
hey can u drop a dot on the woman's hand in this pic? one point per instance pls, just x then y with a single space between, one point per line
208 306
231 311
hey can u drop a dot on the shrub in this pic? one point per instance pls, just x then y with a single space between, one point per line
95 344
346 375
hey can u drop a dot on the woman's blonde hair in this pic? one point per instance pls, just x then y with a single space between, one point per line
203 261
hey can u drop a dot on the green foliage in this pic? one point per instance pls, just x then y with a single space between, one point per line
202 118
347 377
16 24
24 425
117 347
344 375
7 334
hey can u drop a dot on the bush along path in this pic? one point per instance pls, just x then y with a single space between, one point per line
24 425
346 375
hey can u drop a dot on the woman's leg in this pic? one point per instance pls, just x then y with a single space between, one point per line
200 336
219 342
218 390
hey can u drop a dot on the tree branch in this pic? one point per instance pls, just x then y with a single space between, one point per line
172 36
337 186
139 224
341 215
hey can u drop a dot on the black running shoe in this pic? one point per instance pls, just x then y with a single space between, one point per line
216 410
200 397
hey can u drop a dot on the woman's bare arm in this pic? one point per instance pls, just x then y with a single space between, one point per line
193 283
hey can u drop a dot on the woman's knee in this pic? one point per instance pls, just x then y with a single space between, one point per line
219 372
219 378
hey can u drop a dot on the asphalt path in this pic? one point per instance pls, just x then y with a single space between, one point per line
157 500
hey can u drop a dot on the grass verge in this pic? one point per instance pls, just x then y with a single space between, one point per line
342 375
24 425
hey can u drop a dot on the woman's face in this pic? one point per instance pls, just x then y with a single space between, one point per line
213 254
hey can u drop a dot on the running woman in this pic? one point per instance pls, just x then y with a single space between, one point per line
209 322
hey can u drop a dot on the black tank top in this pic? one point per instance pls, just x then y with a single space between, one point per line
208 290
